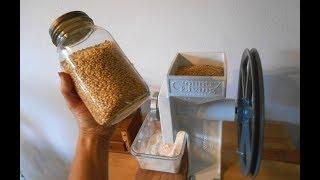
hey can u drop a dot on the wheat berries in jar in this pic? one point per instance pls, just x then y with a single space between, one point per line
104 78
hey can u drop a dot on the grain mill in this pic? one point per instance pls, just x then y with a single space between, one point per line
198 106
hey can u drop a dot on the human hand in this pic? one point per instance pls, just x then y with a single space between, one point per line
86 122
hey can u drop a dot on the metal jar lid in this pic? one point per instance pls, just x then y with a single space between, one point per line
67 23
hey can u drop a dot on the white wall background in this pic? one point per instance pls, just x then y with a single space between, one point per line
151 33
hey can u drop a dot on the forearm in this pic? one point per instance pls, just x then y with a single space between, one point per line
91 159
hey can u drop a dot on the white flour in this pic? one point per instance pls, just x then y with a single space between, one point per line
156 146
165 157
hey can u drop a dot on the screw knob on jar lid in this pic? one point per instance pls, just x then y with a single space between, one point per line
64 25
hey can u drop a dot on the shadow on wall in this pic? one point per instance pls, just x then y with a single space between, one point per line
282 99
38 160
282 93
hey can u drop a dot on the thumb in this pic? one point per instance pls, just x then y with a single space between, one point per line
68 91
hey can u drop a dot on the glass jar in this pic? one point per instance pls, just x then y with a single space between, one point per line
104 78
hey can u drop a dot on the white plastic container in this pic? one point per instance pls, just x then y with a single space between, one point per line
154 162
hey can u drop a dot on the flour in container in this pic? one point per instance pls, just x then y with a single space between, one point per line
156 146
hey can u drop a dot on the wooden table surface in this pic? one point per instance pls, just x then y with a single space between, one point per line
280 159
